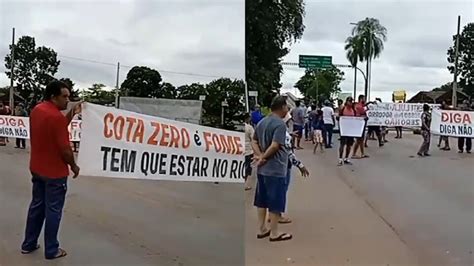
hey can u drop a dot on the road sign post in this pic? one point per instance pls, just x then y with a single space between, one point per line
315 61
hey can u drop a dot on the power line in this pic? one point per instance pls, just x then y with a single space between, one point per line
125 66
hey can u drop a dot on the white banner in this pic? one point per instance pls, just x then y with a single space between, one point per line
74 129
14 127
395 114
124 144
351 126
452 123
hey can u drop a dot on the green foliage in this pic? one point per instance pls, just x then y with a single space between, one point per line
324 83
219 90
269 25
98 95
465 59
34 67
446 87
366 43
191 92
142 81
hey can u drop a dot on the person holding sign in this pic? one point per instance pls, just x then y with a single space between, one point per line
20 111
272 161
425 131
346 142
360 112
3 111
249 132
51 154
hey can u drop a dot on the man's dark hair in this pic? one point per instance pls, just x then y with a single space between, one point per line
313 107
298 103
277 103
361 97
54 89
246 116
426 107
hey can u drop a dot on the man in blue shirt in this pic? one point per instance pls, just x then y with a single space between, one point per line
256 115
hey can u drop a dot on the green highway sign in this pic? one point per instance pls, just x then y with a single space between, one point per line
315 61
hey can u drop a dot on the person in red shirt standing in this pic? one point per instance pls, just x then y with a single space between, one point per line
360 112
51 157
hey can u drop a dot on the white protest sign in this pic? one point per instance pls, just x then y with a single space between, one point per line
351 126
395 114
74 129
124 144
14 127
452 123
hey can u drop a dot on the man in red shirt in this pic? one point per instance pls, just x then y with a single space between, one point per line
51 156
360 112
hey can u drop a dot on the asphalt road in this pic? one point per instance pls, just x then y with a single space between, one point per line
390 209
127 222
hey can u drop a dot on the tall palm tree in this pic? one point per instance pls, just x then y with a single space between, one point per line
372 36
354 53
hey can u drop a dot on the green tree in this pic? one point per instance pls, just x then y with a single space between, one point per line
98 95
142 81
446 87
167 90
269 26
191 92
320 85
354 53
366 44
220 90
465 59
34 67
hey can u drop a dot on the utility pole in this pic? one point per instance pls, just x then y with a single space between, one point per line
247 97
117 94
355 82
12 90
455 82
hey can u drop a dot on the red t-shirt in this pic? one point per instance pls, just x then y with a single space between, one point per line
347 111
360 109
48 137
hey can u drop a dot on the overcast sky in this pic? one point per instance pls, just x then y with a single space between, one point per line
191 36
207 37
414 58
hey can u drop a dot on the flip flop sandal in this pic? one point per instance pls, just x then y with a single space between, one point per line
365 156
30 251
267 234
61 253
285 221
281 237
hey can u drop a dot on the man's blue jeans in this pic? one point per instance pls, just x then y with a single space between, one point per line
45 207
327 134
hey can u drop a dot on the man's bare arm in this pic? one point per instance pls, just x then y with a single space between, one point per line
256 148
68 156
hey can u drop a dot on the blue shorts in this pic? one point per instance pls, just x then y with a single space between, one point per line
270 193
299 129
